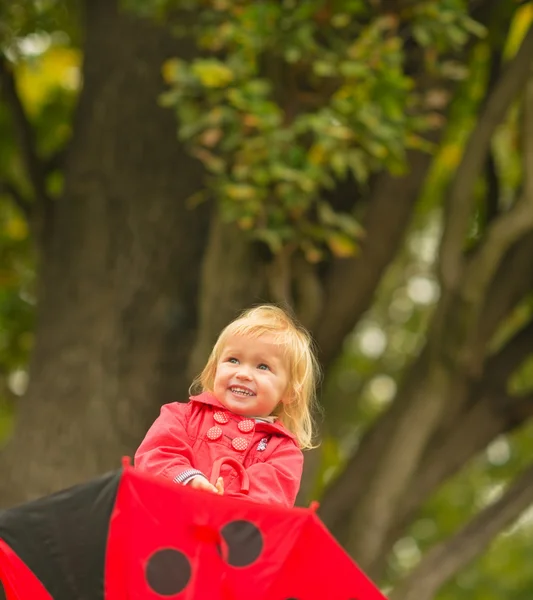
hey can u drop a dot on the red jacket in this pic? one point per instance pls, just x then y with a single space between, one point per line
192 436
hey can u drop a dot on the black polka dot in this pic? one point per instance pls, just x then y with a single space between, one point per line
244 541
168 572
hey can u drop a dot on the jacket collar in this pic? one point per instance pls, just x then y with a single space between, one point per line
277 427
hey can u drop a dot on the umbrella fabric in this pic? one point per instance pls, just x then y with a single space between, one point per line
131 536
319 568
60 541
168 541
17 582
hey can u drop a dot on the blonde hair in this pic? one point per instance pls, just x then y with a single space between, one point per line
297 413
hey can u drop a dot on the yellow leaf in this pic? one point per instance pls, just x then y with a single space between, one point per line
213 74
39 77
169 70
240 192
340 132
317 154
450 155
342 246
521 23
17 229
246 223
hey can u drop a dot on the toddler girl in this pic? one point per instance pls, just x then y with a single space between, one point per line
253 412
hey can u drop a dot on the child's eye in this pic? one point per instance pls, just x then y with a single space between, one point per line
263 366
233 360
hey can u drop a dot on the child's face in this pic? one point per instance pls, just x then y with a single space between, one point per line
251 377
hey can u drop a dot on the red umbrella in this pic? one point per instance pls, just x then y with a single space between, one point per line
130 536
180 543
16 578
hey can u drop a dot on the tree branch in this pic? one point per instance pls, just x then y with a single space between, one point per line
387 218
481 269
493 192
500 20
491 416
344 492
501 235
25 135
397 464
461 196
388 215
472 429
446 559
487 419
507 288
479 423
489 412
500 366
510 227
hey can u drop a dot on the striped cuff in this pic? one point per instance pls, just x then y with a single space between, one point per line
187 475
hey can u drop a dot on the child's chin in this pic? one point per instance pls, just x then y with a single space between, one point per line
238 405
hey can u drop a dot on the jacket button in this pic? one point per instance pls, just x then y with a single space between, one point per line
221 417
215 433
239 444
246 425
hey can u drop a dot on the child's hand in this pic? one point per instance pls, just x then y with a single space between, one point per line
220 486
201 483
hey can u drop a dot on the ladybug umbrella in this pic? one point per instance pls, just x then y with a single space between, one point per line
168 541
130 536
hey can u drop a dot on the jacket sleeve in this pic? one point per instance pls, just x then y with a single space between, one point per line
166 450
275 481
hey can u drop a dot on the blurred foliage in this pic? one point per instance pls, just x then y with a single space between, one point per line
39 42
287 98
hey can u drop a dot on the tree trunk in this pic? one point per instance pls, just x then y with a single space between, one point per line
114 326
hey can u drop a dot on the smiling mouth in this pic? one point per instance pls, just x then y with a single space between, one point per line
240 391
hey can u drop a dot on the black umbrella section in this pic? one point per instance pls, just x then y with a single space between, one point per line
62 538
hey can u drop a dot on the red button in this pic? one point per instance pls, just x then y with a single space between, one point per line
221 417
215 433
246 426
239 444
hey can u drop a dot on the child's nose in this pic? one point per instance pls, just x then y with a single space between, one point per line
244 373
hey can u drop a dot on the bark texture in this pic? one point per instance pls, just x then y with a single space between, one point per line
117 296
